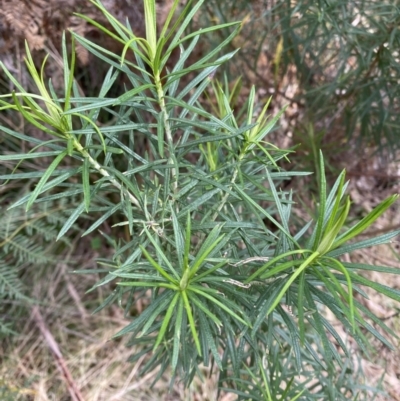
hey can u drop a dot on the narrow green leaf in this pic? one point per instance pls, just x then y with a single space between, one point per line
205 309
206 249
162 255
366 222
30 117
120 28
380 269
264 303
271 262
381 239
203 77
102 219
71 220
144 44
96 129
68 72
334 211
198 202
108 82
50 184
157 266
139 276
177 336
187 242
330 234
38 174
157 313
109 149
166 320
141 284
300 307
23 156
160 133
341 268
129 95
332 286
216 50
265 130
203 293
294 334
179 244
129 214
151 26
86 183
39 187
50 144
380 288
183 24
191 321
250 105
173 80
205 329
90 106
14 81
70 146
278 201
207 272
169 18
319 327
322 203
214 138
292 278
280 268
208 29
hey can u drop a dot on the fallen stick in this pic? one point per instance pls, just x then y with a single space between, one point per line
51 342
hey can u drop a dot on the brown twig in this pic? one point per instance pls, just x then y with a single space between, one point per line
51 342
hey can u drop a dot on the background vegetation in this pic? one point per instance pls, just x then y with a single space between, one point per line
333 63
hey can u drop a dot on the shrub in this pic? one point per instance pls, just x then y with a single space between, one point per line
341 56
228 280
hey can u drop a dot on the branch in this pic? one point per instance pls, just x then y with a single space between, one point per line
62 366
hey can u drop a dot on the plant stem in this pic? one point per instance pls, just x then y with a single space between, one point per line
103 172
168 132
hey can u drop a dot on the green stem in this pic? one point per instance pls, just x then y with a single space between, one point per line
168 132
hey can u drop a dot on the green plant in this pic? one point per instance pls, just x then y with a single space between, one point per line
272 377
344 56
210 248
